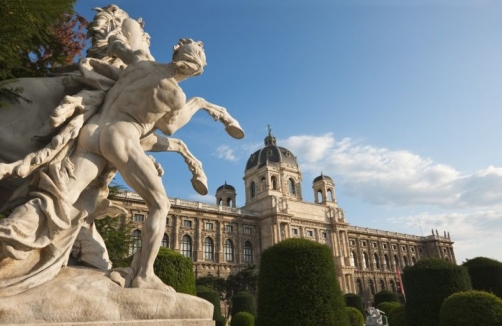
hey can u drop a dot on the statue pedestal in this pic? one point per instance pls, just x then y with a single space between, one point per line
82 296
157 322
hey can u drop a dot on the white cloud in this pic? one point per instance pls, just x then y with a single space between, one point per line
208 199
398 178
475 233
226 153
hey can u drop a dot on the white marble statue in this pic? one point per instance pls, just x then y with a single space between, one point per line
61 150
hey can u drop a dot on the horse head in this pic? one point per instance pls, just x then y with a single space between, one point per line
190 54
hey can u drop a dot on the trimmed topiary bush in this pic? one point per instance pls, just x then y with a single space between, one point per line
175 270
427 285
243 302
385 296
354 300
397 316
214 297
486 274
298 286
471 308
242 319
387 307
356 318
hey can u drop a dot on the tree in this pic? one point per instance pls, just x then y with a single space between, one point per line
36 36
485 274
116 233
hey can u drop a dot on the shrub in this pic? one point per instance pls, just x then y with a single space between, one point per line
354 300
397 316
243 302
214 297
356 318
242 319
387 307
427 285
385 296
486 274
471 308
298 286
175 270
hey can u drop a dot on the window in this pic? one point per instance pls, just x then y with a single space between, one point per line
413 260
372 287
139 217
363 243
247 230
396 260
376 261
252 189
229 228
229 251
352 242
208 249
186 246
291 184
274 183
420 250
187 223
403 248
359 287
394 247
310 233
248 252
384 246
167 220
374 244
165 241
135 241
294 231
387 261
405 259
393 286
209 226
444 250
412 249
353 260
324 235
365 260
382 285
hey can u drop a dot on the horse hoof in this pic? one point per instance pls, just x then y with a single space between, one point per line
235 131
200 185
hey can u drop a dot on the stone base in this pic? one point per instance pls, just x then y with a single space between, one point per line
156 322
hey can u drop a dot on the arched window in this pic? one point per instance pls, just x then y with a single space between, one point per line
165 241
382 285
220 201
413 260
274 183
229 202
252 189
330 195
186 246
396 260
263 184
359 287
291 184
376 260
405 259
353 260
387 261
372 287
135 241
208 249
393 286
365 260
248 252
229 251
319 196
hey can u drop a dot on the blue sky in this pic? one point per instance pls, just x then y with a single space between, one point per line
398 101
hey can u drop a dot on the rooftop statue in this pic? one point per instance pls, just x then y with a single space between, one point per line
60 151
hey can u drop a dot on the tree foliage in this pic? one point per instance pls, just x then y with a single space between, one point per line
175 270
298 286
427 284
243 301
471 308
242 319
212 296
385 296
356 318
485 274
354 300
116 233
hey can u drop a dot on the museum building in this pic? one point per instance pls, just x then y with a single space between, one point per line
222 239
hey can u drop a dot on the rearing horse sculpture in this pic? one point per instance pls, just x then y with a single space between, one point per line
106 124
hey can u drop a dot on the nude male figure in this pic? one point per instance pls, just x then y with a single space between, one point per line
144 98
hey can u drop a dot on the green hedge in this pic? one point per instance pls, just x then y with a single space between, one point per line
175 270
471 308
243 302
387 307
354 300
385 296
298 286
214 297
397 316
356 318
427 285
242 319
486 274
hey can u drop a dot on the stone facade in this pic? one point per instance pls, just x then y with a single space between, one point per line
222 239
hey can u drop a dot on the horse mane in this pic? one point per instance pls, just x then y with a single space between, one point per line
107 23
